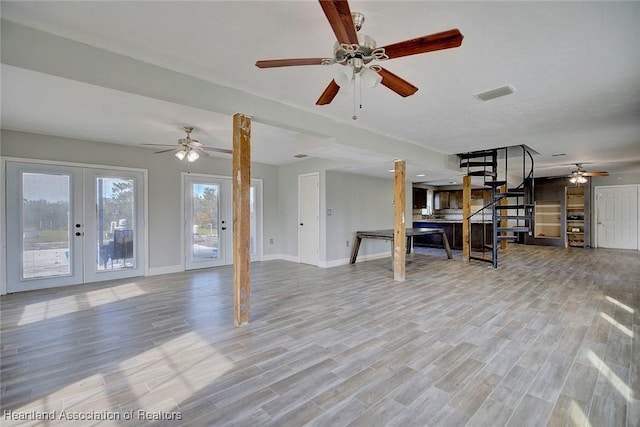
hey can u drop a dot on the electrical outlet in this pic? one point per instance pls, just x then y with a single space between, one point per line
271 241
347 243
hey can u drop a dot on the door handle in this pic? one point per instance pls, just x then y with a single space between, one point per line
301 224
224 228
79 233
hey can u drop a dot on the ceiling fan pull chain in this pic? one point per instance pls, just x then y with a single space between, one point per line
360 91
354 98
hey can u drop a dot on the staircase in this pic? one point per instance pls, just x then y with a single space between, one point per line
510 211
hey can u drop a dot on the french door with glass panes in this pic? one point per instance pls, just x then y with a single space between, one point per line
209 221
69 225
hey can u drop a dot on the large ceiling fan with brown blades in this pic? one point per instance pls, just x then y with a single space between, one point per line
356 51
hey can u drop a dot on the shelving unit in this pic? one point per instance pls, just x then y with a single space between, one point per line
547 217
575 219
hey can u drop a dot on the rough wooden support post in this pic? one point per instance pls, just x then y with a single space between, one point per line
399 232
503 222
466 211
241 219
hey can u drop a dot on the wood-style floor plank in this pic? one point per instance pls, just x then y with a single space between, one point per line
549 338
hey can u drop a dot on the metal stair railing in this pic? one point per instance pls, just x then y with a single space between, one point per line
524 190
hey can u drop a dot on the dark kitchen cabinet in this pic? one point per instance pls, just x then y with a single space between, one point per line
441 200
448 199
419 198
453 230
455 200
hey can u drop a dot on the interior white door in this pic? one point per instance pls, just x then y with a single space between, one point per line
309 218
617 217
44 226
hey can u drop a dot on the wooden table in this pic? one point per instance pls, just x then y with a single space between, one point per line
388 235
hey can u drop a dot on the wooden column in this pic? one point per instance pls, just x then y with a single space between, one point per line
466 211
241 219
399 232
503 222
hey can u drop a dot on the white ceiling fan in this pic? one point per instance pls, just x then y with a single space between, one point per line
189 148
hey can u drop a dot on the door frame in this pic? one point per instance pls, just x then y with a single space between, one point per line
75 252
3 242
3 234
224 212
90 275
259 217
594 221
300 177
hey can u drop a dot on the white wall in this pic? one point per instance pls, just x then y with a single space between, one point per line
288 203
358 203
164 184
616 179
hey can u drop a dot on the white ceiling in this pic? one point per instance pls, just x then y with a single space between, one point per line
573 65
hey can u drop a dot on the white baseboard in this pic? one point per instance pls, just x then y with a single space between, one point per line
327 264
281 257
361 258
169 269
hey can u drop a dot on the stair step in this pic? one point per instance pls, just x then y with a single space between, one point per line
508 194
477 164
482 173
477 154
495 183
513 229
507 238
516 217
522 206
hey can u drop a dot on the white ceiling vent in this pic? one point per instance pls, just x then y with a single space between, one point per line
495 93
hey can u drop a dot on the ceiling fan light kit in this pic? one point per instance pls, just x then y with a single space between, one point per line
189 148
356 51
578 175
190 155
578 179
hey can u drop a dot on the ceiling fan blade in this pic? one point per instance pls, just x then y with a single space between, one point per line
600 173
272 63
396 84
166 151
329 93
339 16
430 43
218 150
160 145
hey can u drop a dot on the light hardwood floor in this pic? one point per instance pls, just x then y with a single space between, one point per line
549 338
